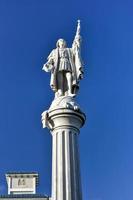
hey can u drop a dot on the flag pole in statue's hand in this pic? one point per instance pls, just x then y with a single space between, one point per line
78 28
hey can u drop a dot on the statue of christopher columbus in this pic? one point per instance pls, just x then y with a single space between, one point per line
66 66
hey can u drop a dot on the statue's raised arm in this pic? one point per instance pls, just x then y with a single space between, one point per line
77 40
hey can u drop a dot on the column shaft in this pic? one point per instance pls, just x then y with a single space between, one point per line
65 166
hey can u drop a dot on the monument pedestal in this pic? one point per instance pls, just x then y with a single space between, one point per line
64 123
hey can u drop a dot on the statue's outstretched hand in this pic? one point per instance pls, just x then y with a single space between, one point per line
45 68
48 67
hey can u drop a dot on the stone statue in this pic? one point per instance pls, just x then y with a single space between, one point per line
64 118
66 67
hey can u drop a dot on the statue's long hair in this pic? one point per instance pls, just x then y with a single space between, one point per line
57 43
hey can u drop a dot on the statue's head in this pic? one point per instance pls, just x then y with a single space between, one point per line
61 43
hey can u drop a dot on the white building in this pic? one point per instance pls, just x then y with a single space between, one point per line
22 186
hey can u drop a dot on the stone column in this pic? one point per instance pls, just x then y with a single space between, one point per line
65 124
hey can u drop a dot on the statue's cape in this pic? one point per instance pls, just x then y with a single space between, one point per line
76 67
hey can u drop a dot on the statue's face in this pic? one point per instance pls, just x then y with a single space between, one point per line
61 43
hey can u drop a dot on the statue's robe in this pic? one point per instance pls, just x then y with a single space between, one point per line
76 66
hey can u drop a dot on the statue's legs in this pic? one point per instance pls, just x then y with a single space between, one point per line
60 83
69 82
64 83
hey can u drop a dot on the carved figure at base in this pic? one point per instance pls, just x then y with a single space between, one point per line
63 102
65 66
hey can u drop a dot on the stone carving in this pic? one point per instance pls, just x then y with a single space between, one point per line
66 102
66 67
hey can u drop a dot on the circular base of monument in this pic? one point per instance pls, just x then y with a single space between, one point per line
67 118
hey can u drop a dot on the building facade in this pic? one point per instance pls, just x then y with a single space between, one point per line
22 186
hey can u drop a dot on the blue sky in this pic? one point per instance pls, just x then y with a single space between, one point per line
28 32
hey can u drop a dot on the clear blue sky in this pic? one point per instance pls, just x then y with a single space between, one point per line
28 32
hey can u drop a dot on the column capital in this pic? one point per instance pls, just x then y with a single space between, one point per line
63 112
66 118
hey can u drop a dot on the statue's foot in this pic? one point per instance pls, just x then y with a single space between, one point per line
59 93
56 95
71 95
